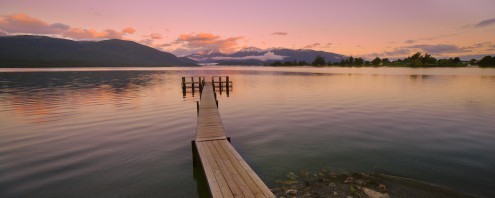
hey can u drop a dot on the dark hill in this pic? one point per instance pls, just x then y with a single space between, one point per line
42 51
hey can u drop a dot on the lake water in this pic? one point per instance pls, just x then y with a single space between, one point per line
126 132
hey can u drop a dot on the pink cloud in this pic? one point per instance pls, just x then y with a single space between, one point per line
128 30
24 24
209 41
80 33
150 39
310 46
156 36
280 33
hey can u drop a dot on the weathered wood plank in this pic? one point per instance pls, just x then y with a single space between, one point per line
227 173
222 182
242 172
232 170
210 176
261 185
224 171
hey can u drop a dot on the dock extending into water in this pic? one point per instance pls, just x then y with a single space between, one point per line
227 173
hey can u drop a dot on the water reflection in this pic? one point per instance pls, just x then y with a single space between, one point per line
49 96
127 133
419 76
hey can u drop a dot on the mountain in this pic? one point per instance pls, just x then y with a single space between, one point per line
42 51
256 56
204 56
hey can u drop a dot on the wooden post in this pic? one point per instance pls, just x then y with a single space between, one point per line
192 84
184 87
221 85
227 86
213 83
215 95
197 107
194 153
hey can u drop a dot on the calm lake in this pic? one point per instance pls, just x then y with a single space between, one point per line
126 132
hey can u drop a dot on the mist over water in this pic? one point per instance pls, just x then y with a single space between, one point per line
101 132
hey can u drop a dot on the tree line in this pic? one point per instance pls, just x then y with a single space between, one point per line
416 60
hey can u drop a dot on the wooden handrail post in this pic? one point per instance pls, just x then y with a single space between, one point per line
184 87
192 84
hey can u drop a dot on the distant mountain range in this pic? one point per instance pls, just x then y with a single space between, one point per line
42 51
256 56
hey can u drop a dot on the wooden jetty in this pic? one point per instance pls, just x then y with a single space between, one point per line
227 173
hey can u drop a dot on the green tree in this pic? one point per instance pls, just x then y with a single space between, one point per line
277 63
473 61
386 61
319 61
456 60
415 60
487 61
359 61
428 60
350 61
376 61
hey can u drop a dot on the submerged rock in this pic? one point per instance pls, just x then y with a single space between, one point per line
291 191
348 180
375 194
326 183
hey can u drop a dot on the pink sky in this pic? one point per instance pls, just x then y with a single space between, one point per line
392 28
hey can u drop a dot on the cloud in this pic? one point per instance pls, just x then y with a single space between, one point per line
182 51
485 23
147 42
24 24
328 45
479 46
128 30
149 39
310 46
81 33
264 57
439 49
280 33
208 41
412 41
394 53
156 36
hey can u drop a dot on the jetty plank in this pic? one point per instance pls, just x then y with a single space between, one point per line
227 173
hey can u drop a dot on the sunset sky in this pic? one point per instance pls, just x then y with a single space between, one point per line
368 28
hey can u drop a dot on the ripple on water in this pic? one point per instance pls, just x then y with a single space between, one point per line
113 133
